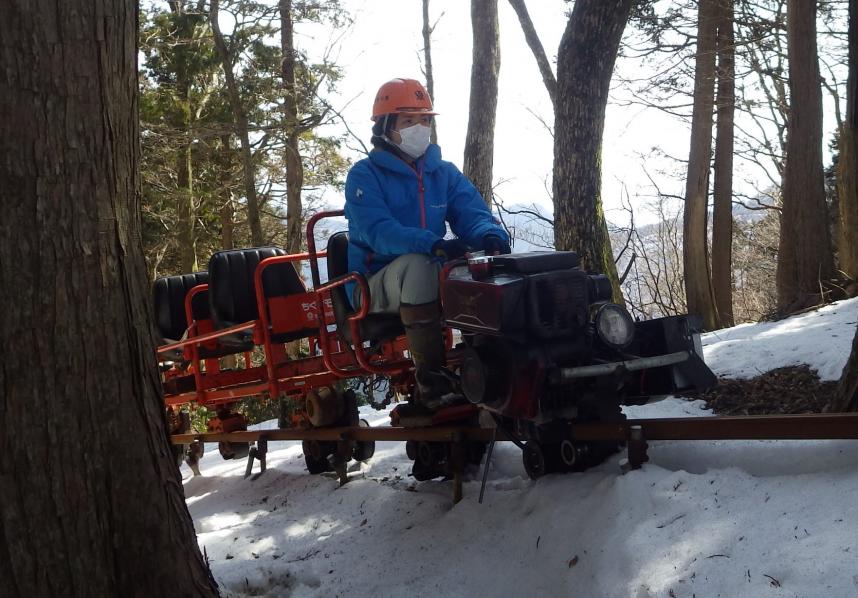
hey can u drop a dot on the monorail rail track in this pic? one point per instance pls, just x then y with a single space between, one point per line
635 432
734 427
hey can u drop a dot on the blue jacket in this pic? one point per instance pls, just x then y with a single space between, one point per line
394 208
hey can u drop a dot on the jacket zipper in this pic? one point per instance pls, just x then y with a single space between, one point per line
420 196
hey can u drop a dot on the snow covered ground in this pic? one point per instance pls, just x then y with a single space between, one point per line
704 519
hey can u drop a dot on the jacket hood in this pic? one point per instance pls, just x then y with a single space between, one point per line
430 161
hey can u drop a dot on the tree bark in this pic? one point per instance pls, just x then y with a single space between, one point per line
847 166
294 165
185 25
427 61
535 45
91 502
485 66
185 207
722 219
241 128
227 209
700 298
846 396
585 64
804 252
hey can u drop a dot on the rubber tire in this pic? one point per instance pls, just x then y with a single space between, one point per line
534 459
569 455
325 407
233 450
315 465
364 450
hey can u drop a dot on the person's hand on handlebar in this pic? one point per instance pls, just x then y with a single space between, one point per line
494 245
449 249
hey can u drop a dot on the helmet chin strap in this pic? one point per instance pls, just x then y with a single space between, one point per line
384 132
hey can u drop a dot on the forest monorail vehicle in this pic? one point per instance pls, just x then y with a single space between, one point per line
540 348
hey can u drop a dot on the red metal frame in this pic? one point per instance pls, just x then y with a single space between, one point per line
274 354
380 366
330 358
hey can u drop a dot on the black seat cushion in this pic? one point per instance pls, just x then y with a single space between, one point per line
375 327
168 295
233 296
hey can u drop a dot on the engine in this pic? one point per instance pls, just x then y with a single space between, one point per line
544 342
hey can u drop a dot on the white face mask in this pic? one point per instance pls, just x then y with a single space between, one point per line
415 140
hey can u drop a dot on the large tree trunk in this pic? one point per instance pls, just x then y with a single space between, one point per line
847 391
722 219
847 166
846 396
585 64
535 45
241 128
485 66
294 166
427 61
92 502
804 252
700 298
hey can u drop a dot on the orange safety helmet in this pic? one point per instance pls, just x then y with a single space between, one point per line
399 96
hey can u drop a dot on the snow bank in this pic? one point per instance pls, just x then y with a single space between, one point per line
821 339
756 519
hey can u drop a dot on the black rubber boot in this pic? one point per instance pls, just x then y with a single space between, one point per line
435 388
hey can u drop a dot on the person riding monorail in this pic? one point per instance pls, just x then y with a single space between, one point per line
398 203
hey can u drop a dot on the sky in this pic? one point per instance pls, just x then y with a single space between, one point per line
385 41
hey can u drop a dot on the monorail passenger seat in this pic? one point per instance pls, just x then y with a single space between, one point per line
376 328
168 294
233 295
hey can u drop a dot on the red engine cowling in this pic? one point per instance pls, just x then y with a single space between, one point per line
504 378
537 296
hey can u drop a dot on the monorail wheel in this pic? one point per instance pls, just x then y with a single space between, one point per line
325 406
431 459
316 455
541 458
226 422
364 449
535 460
233 450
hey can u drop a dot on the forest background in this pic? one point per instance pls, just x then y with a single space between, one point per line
252 112
240 137
195 177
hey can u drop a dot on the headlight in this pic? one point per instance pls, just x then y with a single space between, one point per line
614 326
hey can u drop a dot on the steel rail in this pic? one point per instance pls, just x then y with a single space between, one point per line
428 434
746 427
808 426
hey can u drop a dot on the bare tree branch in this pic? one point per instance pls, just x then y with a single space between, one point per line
536 47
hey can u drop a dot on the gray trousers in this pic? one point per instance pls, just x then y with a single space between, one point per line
410 279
